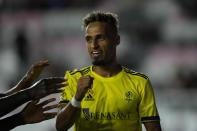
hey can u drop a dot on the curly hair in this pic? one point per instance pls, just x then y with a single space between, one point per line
106 17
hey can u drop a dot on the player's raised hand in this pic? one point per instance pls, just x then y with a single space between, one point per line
46 87
36 69
83 84
32 74
34 112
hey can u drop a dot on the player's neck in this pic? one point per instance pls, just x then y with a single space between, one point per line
107 70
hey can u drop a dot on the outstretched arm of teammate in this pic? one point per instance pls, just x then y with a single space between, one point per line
32 74
69 112
40 89
152 126
32 113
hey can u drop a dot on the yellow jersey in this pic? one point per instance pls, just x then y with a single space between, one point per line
121 102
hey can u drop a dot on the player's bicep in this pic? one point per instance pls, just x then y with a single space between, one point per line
147 107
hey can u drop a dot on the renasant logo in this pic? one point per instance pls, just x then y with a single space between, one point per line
106 115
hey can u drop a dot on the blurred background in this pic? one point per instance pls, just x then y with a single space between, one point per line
158 38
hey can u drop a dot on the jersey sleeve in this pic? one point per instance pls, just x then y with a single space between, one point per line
147 107
69 90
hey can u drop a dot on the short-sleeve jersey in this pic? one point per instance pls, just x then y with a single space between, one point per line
121 102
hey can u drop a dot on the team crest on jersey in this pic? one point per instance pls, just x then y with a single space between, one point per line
129 96
90 95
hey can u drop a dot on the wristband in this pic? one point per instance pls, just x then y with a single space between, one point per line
75 103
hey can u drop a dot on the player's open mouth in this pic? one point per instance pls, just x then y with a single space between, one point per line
96 53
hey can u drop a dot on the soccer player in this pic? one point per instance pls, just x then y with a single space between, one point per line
106 96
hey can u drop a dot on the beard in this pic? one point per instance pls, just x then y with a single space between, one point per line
101 62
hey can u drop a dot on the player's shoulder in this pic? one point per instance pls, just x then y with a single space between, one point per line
134 73
83 71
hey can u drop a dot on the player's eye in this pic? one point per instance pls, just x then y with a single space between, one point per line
88 39
100 37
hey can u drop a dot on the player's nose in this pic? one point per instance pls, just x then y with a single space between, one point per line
94 44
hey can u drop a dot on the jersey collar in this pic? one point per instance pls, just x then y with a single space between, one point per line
117 76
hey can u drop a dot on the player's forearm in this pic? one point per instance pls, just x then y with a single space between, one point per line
24 83
2 95
11 122
9 103
66 117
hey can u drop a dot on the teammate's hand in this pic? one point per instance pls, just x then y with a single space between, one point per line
34 112
32 74
46 87
36 69
83 84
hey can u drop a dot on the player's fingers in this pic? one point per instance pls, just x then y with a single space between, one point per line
58 86
55 88
54 80
91 79
91 86
36 101
32 103
50 107
56 91
29 104
91 82
88 76
53 91
47 101
40 64
51 115
43 63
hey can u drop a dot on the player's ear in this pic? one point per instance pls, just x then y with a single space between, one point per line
117 40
